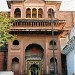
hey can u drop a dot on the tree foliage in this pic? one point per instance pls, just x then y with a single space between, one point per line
5 24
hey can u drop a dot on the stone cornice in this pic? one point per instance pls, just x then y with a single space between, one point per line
70 46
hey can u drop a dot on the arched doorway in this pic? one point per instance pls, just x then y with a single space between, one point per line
34 69
15 65
33 58
17 13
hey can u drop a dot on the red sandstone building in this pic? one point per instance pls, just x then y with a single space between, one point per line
32 50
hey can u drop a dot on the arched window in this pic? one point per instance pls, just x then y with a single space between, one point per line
28 13
34 13
40 13
15 64
15 42
17 13
51 42
50 13
52 65
15 60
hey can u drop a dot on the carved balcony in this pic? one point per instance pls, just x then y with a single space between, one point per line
37 25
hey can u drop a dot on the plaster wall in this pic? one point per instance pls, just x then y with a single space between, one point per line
70 63
6 73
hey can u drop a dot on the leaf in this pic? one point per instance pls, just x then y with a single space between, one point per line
5 24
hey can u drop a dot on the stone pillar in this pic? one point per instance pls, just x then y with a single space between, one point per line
12 11
59 64
37 13
21 58
31 12
47 59
9 60
45 12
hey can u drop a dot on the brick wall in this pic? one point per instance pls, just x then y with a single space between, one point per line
1 60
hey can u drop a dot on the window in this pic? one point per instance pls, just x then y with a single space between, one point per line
15 42
15 60
51 42
15 64
28 13
34 13
50 13
40 13
17 13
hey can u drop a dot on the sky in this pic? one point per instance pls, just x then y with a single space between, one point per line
66 5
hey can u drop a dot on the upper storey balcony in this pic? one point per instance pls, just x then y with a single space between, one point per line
33 25
34 17
32 9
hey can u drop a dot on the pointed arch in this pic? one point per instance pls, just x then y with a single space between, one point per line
40 13
51 42
28 13
15 42
15 59
17 13
34 49
50 13
34 13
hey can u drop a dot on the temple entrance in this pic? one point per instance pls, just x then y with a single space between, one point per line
34 59
34 69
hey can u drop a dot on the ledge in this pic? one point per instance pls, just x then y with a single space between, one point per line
70 46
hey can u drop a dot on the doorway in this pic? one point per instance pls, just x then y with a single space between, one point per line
33 59
34 69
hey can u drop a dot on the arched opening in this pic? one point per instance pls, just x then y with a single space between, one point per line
40 13
52 65
17 13
34 49
50 13
15 65
51 42
34 69
15 42
34 13
28 13
33 57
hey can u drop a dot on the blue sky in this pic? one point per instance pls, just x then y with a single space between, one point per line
67 5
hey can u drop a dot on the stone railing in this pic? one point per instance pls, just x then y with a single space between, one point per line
38 24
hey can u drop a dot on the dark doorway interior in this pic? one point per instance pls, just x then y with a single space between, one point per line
64 65
34 69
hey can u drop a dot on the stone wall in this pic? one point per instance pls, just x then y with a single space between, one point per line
1 60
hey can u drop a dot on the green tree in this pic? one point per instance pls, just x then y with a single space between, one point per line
5 23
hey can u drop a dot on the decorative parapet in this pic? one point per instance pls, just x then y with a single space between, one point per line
70 46
10 1
31 24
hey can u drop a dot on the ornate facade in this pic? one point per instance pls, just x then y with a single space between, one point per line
31 52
